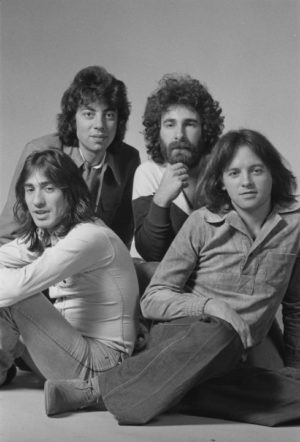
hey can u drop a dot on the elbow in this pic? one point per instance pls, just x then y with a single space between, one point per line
145 309
147 250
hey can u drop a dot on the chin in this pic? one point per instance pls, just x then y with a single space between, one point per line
180 159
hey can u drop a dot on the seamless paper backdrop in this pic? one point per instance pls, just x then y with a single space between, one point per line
246 51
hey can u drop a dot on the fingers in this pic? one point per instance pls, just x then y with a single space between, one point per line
178 169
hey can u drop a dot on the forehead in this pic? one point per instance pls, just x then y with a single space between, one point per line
96 105
244 155
36 176
180 112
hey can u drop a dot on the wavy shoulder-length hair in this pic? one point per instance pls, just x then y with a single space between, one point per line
174 89
91 85
63 173
210 187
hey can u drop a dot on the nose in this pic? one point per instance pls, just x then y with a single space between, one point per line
179 135
99 120
246 179
38 198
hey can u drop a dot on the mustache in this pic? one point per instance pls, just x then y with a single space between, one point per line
180 145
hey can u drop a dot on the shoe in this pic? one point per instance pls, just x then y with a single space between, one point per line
71 395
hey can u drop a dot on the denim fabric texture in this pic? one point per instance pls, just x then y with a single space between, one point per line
181 354
57 349
196 365
91 276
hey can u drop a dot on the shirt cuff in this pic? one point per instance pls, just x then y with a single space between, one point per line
196 308
159 215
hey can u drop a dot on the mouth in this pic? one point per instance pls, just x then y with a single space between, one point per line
41 213
99 137
250 193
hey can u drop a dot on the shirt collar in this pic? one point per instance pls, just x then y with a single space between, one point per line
231 215
111 162
95 166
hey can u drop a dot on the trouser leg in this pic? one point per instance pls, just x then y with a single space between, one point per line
181 354
248 394
57 349
10 346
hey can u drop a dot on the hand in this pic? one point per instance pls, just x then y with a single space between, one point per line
174 179
222 310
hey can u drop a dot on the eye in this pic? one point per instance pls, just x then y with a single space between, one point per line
192 123
233 173
110 115
50 188
28 190
88 114
169 124
257 170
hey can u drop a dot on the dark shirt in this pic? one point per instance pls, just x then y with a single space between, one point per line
155 227
115 207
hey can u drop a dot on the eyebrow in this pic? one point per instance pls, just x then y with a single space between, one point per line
252 165
42 183
194 120
90 107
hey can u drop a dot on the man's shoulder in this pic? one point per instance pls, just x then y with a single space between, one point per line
44 142
94 233
147 179
149 167
289 208
126 150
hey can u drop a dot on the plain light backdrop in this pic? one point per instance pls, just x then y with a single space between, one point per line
246 51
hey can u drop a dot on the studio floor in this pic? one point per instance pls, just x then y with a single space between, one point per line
23 419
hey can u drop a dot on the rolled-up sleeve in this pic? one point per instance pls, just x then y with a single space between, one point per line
166 297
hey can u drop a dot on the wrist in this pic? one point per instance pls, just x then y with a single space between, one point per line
204 306
161 201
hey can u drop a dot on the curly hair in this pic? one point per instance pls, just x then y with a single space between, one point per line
210 187
60 169
184 90
90 85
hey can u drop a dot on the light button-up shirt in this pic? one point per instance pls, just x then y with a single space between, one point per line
214 256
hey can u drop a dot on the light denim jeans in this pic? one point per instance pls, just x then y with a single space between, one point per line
57 349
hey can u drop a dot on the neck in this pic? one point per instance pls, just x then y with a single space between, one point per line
92 158
254 220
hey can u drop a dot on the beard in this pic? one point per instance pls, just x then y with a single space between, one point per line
181 152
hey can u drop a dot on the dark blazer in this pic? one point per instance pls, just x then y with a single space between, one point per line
115 207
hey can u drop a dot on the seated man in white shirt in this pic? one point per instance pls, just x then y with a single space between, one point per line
62 246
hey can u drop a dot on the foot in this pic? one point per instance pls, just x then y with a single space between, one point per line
70 395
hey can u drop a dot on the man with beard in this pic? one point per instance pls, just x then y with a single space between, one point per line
182 123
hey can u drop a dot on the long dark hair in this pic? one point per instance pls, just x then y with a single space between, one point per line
90 85
184 90
210 187
60 169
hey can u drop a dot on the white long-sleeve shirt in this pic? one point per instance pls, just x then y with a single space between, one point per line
91 275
